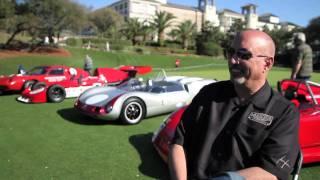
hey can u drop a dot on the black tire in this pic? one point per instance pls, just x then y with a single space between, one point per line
133 111
38 85
28 84
56 94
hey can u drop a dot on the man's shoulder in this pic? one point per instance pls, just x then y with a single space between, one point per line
220 85
281 101
304 47
222 89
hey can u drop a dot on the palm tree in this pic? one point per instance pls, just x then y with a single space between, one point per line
146 31
185 31
132 30
160 22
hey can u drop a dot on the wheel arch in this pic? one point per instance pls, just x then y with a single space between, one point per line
139 98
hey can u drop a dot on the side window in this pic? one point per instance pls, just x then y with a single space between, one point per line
174 87
56 72
157 90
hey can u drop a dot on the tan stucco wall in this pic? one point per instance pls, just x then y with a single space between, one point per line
183 15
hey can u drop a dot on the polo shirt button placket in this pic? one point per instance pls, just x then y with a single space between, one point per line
228 132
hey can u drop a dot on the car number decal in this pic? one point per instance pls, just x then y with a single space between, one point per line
55 78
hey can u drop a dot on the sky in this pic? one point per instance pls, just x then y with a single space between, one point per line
299 12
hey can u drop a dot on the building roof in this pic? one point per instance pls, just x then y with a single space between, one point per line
266 21
250 4
229 11
289 23
179 6
268 15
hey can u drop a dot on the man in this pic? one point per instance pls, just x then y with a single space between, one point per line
238 129
302 58
88 64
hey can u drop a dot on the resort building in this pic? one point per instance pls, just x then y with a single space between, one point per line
145 10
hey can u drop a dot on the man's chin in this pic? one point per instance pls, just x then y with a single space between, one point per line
238 80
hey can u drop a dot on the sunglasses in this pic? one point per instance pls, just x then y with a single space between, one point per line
242 54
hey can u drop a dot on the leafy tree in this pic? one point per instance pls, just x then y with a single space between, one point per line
146 31
313 29
209 40
173 34
41 18
107 21
281 38
54 16
237 26
7 8
160 22
133 29
15 18
185 31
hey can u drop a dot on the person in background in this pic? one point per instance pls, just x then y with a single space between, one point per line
88 64
21 70
177 63
241 128
302 58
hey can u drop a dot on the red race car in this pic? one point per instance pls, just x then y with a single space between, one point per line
303 97
54 83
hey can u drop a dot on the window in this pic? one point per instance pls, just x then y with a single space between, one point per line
157 90
56 72
174 87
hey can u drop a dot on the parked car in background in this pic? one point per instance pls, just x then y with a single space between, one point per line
54 83
138 100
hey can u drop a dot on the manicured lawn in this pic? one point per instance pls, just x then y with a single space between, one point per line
52 141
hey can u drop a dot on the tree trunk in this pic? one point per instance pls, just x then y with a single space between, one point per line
160 38
16 32
50 36
185 44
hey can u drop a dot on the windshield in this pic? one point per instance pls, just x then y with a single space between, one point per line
37 71
132 84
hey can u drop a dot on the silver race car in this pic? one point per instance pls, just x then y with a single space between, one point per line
134 100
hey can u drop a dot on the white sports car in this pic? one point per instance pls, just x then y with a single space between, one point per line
135 100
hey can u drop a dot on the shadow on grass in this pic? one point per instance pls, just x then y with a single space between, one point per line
151 163
9 93
72 115
311 165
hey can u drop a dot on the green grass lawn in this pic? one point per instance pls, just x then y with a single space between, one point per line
53 141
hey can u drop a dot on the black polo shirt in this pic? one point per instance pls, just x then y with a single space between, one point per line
221 134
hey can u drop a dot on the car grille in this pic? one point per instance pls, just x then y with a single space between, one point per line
88 108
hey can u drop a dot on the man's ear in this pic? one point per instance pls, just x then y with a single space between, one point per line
269 62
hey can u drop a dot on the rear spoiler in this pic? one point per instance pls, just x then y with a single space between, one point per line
133 70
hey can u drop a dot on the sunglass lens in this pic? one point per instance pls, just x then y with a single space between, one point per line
244 54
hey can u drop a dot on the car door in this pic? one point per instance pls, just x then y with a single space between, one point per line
56 76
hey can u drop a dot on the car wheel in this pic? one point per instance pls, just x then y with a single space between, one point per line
38 85
27 84
133 111
56 93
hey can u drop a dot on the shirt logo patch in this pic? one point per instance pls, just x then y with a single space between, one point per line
283 162
261 118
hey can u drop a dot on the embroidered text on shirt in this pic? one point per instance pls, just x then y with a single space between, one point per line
261 118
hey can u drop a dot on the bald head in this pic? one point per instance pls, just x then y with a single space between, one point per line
261 42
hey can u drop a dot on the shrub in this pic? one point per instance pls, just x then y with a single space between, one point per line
209 49
73 42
